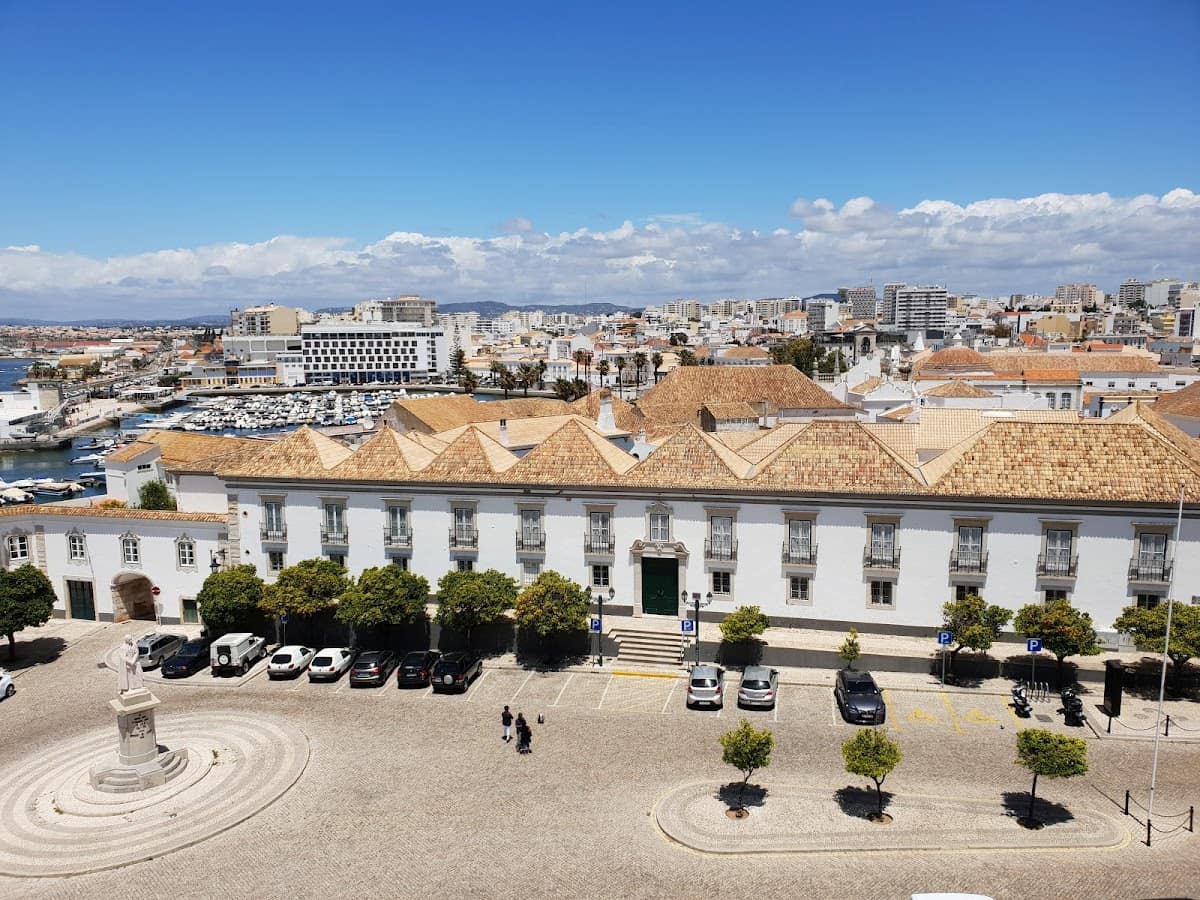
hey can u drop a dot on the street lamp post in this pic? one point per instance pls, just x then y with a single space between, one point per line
612 593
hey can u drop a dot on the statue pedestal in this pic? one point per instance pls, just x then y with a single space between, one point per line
140 762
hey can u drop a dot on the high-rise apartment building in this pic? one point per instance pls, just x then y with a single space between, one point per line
1081 295
822 314
1132 292
363 352
889 301
1158 292
256 321
921 308
861 301
409 308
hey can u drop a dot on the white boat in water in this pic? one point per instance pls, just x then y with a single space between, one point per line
87 459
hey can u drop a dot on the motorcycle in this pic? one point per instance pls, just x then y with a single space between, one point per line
1072 707
1020 702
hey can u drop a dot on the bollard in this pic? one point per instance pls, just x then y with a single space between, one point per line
1192 819
1147 832
1167 733
1110 729
1127 801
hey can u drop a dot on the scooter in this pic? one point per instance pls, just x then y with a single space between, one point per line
1072 707
1020 702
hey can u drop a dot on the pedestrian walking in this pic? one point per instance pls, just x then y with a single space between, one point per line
524 734
506 719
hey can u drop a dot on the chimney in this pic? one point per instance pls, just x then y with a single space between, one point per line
604 420
504 432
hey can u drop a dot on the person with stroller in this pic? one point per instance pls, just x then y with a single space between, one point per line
524 735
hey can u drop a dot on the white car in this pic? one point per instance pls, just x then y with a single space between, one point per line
7 688
330 663
289 661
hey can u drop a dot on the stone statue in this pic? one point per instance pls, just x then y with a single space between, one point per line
129 673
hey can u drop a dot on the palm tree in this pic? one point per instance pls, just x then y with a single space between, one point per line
541 374
469 382
564 389
527 376
620 364
496 368
687 357
587 369
602 368
508 381
639 363
578 356
656 360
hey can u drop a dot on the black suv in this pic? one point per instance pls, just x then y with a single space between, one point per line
414 669
191 658
455 671
859 698
372 668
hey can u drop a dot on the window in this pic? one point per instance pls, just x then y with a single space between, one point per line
531 529
1152 554
881 594
599 532
191 611
961 591
1064 401
798 590
720 530
799 539
530 570
1050 398
660 527
465 565
334 519
131 551
1054 595
1148 601
970 547
339 558
76 547
600 576
397 522
185 552
464 524
883 542
275 560
145 467
1058 550
18 548
272 518
401 561
722 582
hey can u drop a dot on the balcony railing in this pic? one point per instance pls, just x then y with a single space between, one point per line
335 537
274 535
881 557
1057 565
799 554
720 550
598 545
464 539
531 542
400 539
1155 570
968 562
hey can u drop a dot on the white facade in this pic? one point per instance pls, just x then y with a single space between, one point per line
920 308
410 308
342 352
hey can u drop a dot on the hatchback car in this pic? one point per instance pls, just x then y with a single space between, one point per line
7 688
330 663
191 658
706 686
155 647
414 670
759 687
859 698
455 671
289 661
372 668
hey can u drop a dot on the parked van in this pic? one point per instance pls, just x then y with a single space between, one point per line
236 653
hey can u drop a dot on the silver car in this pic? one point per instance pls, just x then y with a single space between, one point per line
759 687
155 647
706 687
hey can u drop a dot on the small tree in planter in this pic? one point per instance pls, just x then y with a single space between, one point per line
467 600
305 589
1064 630
747 749
974 623
552 606
1052 755
850 651
872 754
741 627
386 595
229 598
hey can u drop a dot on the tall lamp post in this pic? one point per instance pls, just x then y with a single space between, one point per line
683 596
612 593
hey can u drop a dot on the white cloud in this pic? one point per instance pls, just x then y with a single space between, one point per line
996 245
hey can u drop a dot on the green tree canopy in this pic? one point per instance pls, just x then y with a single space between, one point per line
1064 630
228 597
154 495
552 605
747 749
850 651
974 623
744 624
386 595
305 589
467 600
872 754
1052 755
26 601
1148 628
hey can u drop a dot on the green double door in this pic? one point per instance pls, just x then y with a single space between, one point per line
81 599
660 587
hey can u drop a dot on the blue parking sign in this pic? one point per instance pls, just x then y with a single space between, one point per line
1033 645
594 628
687 626
944 638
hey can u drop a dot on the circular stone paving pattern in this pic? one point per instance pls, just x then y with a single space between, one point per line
52 823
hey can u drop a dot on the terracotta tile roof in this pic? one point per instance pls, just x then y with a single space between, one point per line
745 353
440 413
628 417
732 409
472 457
1030 362
837 457
428 441
95 512
865 387
521 433
690 458
678 397
1184 402
525 408
901 438
736 440
960 358
304 453
942 428
573 454
130 452
899 414
388 455
959 389
767 442
188 446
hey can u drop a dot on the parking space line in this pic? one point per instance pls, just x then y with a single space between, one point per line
563 689
887 702
474 693
1012 712
775 707
950 710
522 687
670 694
428 693
605 694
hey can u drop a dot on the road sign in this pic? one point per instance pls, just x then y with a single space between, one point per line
156 590
594 628
284 618
687 626
944 638
1033 645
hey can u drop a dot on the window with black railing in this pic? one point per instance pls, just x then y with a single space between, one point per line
720 548
464 538
798 553
1057 565
970 561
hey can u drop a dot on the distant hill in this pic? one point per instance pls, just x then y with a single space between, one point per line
214 319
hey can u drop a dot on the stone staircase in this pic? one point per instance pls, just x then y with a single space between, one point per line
648 647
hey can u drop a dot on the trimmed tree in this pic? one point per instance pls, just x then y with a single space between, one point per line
26 601
229 597
309 587
553 605
872 754
850 651
385 595
744 624
1064 630
467 600
747 749
1052 755
154 495
974 623
1148 628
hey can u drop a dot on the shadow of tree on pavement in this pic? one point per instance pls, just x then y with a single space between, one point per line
860 802
1016 803
735 795
32 653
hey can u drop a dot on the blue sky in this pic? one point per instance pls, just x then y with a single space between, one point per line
135 127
